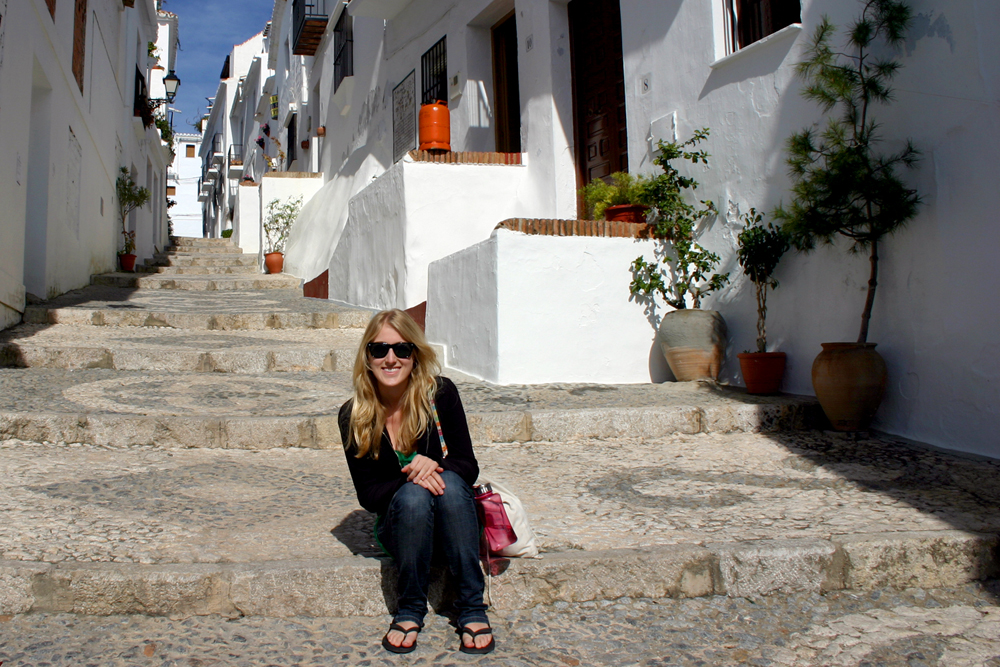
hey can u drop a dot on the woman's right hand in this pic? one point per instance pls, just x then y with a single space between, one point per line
425 471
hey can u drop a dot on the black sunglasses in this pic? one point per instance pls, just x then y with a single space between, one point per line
401 350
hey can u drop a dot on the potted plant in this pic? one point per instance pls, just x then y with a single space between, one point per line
277 224
693 340
760 249
130 197
843 188
620 198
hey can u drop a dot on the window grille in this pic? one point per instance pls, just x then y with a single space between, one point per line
751 20
434 73
343 44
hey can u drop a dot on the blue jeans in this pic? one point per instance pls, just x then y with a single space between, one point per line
416 523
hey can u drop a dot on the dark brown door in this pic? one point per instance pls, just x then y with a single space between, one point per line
507 106
598 88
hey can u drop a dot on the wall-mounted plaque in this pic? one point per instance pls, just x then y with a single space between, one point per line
404 116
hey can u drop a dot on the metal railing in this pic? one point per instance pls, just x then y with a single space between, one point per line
217 143
236 154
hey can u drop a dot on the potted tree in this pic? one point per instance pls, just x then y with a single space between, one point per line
843 188
277 224
693 340
760 249
621 198
130 197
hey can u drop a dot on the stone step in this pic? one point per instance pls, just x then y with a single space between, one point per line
204 250
199 270
197 283
279 533
162 259
263 410
147 349
199 242
262 310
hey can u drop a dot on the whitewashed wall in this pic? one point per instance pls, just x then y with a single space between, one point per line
521 308
186 215
933 318
282 185
63 148
358 118
414 214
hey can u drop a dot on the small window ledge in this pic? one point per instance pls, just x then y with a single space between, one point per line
788 32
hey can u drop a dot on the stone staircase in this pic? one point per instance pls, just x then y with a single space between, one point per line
169 450
198 264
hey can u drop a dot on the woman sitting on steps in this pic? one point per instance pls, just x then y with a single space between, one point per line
422 495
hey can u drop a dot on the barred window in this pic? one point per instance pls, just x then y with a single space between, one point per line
434 73
343 46
752 20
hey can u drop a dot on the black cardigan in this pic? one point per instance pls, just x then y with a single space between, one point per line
377 480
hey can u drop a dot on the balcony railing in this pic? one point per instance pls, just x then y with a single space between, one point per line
217 143
309 19
236 154
141 105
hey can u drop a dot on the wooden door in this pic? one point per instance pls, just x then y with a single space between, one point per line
598 88
506 94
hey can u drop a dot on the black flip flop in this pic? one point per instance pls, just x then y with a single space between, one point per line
399 628
475 633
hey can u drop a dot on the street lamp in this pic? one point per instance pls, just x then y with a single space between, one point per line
171 83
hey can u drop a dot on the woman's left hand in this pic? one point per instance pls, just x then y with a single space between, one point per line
420 468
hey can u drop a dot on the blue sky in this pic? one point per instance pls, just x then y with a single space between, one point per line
208 29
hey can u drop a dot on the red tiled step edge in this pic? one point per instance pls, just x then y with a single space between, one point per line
465 157
544 227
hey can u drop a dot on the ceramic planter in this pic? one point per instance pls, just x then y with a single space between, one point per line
762 371
694 343
849 380
626 213
127 262
274 261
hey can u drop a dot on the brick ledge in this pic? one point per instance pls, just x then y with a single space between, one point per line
555 227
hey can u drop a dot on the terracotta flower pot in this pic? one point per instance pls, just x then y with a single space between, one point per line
127 262
694 343
274 261
626 213
849 380
762 371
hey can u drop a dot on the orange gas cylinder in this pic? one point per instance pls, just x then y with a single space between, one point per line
435 127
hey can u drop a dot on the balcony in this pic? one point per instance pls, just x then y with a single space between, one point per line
142 107
235 161
217 155
309 19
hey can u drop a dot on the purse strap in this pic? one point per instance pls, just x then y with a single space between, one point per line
437 422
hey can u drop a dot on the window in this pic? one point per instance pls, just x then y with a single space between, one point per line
343 46
434 73
752 20
79 41
52 7
189 150
171 190
292 131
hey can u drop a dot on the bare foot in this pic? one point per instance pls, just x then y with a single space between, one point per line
405 639
479 641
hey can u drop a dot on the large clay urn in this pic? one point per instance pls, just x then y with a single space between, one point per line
274 261
849 380
694 343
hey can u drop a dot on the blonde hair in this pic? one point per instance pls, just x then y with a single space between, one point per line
368 412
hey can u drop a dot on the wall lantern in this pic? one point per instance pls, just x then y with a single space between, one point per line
171 83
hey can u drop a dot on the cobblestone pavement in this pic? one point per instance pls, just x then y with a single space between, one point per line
951 627
136 392
153 505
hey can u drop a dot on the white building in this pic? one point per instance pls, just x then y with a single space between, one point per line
72 84
576 90
182 185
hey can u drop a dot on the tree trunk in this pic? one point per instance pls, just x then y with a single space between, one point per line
872 284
